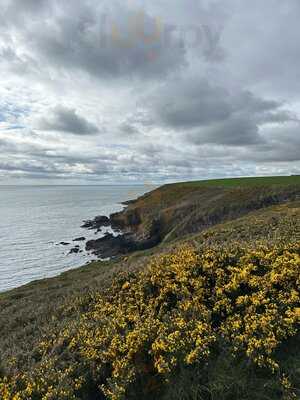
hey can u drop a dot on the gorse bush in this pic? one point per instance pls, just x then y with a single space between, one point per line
168 325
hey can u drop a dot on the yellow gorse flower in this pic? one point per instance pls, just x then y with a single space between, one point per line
171 314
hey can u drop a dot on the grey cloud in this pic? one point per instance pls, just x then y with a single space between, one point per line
246 100
128 129
264 51
140 118
104 41
44 166
13 61
137 162
235 131
215 114
63 119
24 167
190 103
14 7
282 145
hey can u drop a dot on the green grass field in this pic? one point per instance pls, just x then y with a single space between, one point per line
252 181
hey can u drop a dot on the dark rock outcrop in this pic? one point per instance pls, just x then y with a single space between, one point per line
75 250
113 246
110 245
96 223
80 239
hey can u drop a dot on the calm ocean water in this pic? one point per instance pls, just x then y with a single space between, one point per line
33 219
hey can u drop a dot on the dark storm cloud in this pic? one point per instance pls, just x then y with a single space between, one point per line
63 119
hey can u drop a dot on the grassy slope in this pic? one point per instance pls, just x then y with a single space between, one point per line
27 312
271 225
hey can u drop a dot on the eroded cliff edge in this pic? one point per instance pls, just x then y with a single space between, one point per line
173 211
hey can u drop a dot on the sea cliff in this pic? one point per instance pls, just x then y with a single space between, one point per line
177 210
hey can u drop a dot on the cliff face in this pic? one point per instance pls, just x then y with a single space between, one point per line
174 211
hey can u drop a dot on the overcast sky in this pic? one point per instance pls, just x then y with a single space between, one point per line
132 91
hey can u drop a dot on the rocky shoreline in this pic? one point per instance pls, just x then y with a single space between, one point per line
125 238
123 233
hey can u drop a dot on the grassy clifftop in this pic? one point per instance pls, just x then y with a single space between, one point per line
212 313
242 182
176 210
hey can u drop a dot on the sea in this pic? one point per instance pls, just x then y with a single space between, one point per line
34 220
